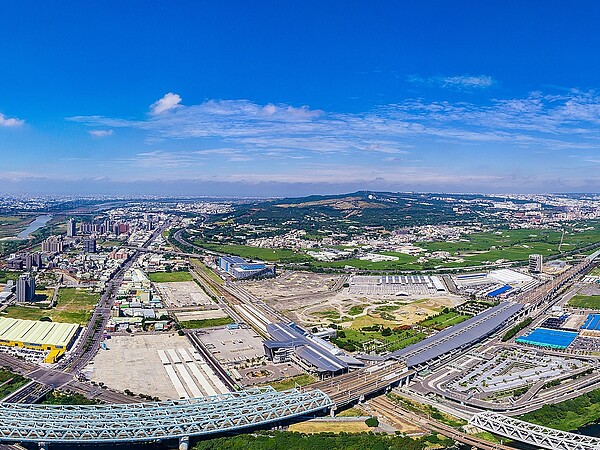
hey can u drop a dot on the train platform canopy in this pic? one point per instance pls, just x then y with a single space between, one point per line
548 338
313 351
37 335
459 336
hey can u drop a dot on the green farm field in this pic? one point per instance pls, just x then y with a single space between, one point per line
473 250
168 277
265 254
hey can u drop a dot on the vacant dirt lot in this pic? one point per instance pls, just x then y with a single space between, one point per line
132 362
183 293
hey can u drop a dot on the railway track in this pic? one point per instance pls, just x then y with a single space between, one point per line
359 384
219 370
393 411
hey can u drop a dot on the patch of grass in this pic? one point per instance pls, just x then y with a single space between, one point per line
386 308
369 320
10 382
168 277
444 320
568 415
109 243
332 426
73 306
351 412
428 410
290 383
585 301
5 276
206 270
206 323
63 398
491 437
44 295
595 272
356 310
376 338
405 262
332 314
265 254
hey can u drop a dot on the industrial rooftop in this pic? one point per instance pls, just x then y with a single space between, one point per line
30 332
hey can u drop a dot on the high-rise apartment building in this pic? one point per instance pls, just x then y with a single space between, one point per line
89 245
25 288
71 228
535 263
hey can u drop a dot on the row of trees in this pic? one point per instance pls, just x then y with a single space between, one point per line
342 441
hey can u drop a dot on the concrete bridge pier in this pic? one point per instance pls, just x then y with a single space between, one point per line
361 399
332 411
42 446
184 442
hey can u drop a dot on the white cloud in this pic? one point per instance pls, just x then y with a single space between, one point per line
10 122
465 81
101 133
462 82
168 102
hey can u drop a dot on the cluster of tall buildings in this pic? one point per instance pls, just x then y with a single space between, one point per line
53 244
25 261
98 228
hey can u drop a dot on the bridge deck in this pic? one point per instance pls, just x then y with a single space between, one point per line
155 420
530 433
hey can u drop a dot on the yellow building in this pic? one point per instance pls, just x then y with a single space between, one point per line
52 337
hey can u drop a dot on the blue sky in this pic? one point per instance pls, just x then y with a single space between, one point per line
294 98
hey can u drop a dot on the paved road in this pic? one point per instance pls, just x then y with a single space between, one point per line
62 375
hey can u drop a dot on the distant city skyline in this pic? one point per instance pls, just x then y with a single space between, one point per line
291 99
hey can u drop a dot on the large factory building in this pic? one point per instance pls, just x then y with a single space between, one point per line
52 337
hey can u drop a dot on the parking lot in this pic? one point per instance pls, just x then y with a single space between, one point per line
183 293
133 362
233 347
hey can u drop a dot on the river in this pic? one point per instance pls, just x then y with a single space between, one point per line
37 223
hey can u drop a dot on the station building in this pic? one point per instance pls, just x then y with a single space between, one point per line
240 268
52 337
292 343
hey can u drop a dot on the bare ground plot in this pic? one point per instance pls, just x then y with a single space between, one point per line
185 316
418 310
133 362
183 293
270 373
291 284
590 289
233 347
344 307
330 426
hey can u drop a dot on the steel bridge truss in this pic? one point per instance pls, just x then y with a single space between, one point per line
155 420
533 434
